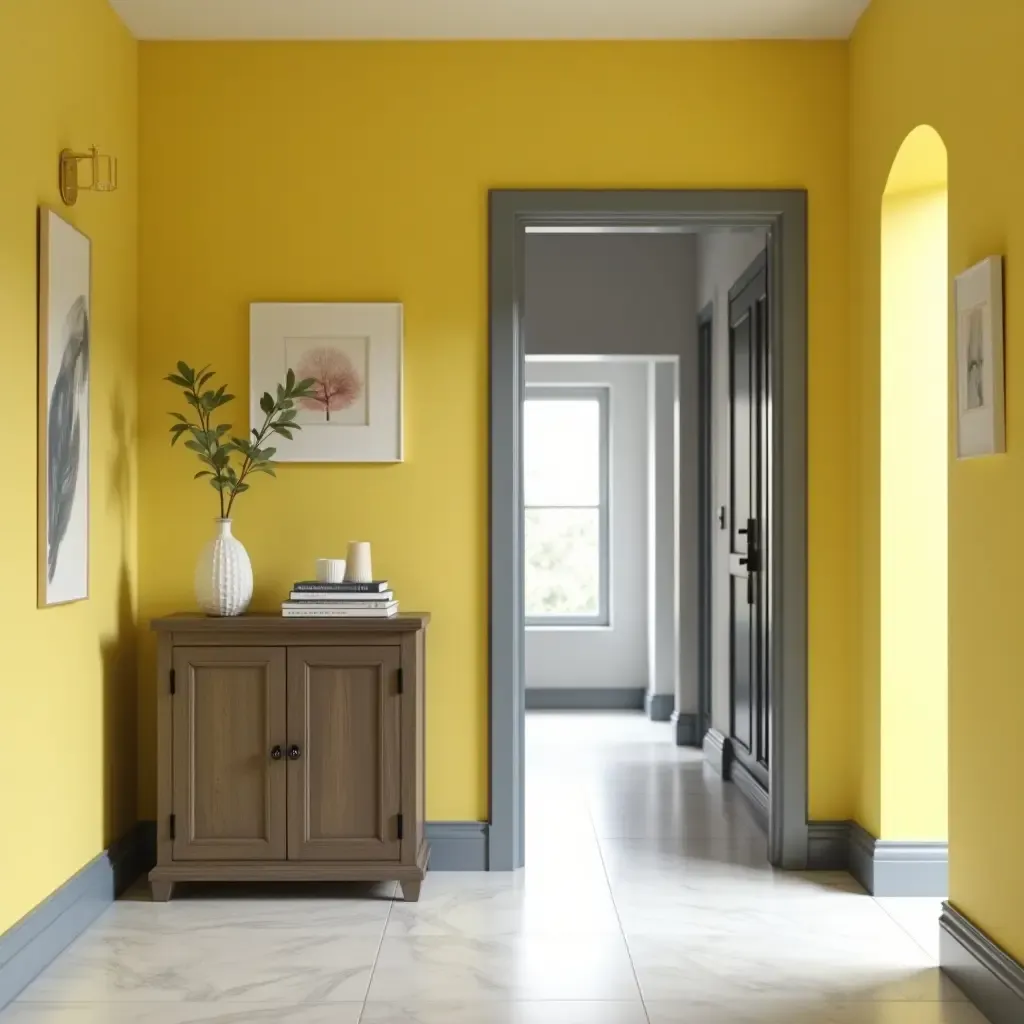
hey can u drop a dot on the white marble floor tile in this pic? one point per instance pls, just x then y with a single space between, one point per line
525 968
338 917
555 1012
495 905
790 1010
179 1013
706 970
919 917
239 965
685 859
640 820
764 914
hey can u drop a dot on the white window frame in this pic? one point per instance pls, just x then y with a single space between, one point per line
602 395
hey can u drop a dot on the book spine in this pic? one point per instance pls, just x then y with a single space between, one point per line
340 588
339 605
355 600
337 613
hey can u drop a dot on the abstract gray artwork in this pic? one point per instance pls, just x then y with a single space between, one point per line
64 357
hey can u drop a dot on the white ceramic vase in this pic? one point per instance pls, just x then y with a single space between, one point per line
224 574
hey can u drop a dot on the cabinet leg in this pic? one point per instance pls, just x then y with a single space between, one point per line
411 891
161 891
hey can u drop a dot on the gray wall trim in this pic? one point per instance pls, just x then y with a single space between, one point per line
860 846
585 698
37 939
784 214
991 978
457 845
659 706
884 867
897 867
718 752
687 724
755 793
828 845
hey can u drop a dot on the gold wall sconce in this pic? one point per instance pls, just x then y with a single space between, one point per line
103 173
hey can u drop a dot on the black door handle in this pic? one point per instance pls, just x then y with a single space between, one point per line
276 754
294 753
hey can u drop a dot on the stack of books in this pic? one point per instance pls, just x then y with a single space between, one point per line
311 599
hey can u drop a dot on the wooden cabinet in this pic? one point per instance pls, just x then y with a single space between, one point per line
290 750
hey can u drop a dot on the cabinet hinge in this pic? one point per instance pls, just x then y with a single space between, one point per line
401 827
173 687
401 682
173 828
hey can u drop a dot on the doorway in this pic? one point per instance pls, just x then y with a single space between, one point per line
783 215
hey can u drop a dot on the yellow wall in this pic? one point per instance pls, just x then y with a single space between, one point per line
360 171
67 686
956 68
913 610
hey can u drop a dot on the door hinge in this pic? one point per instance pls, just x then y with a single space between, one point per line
173 687
401 682
401 827
173 828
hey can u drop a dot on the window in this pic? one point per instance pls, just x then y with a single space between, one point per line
565 435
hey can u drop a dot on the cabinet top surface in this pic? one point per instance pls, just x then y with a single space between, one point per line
267 623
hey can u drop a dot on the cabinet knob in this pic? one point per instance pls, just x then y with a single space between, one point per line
294 753
276 753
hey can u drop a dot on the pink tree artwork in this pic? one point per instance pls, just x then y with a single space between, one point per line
336 382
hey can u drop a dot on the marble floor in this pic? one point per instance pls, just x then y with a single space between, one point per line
647 900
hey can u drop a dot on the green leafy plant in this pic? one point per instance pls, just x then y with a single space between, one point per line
231 460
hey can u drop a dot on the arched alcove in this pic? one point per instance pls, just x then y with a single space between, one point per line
914 492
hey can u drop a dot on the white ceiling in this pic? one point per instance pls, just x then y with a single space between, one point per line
490 19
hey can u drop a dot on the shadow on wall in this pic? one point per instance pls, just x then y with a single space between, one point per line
118 651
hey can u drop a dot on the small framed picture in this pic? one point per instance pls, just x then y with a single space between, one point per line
981 413
352 351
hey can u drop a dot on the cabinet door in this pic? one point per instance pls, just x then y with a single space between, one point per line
344 753
229 781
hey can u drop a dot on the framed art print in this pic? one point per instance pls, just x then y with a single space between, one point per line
65 269
352 351
981 415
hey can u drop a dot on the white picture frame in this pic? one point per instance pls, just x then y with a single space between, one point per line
980 387
354 351
65 328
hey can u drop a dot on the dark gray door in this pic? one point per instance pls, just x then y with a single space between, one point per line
749 475
705 343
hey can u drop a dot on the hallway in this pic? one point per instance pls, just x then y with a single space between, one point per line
647 898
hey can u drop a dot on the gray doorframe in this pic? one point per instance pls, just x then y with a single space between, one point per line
784 214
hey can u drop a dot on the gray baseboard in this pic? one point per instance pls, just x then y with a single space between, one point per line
659 706
584 699
828 846
884 867
988 975
687 725
756 794
718 752
34 942
458 845
898 867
